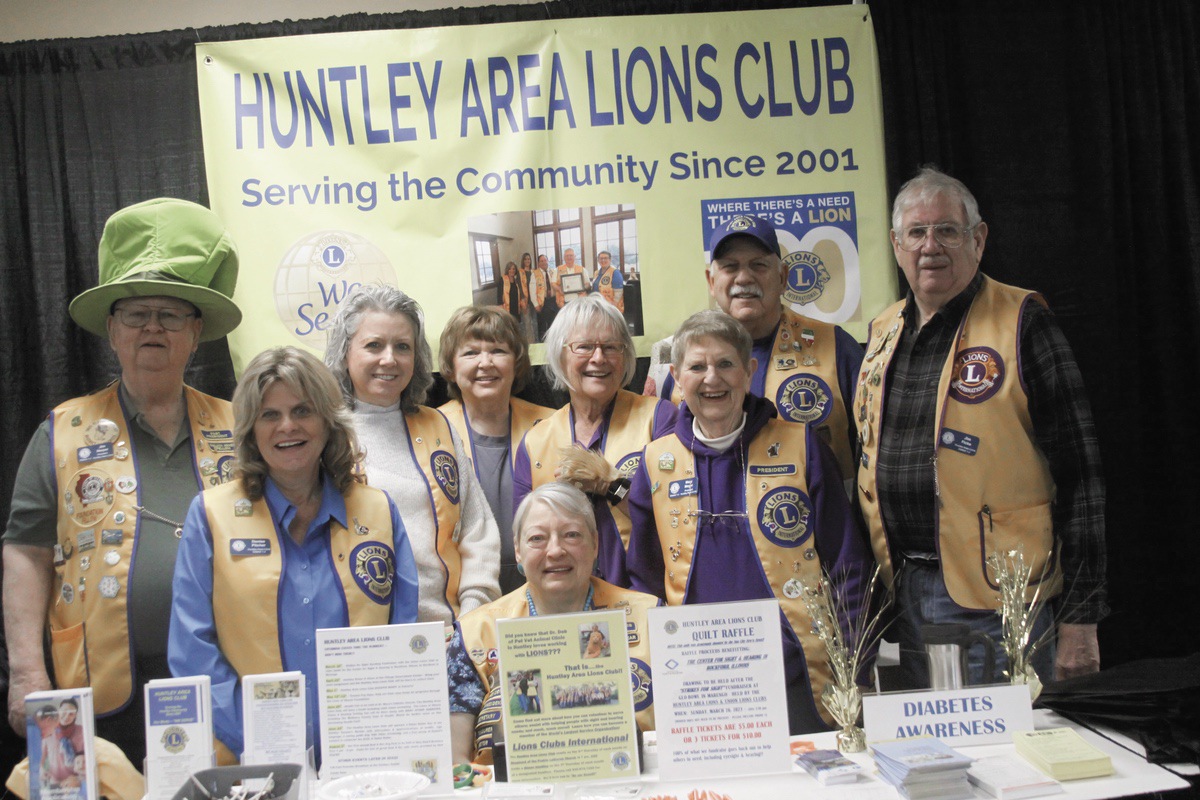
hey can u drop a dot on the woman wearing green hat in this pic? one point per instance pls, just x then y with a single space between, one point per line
106 480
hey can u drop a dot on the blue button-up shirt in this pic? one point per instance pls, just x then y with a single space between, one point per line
308 587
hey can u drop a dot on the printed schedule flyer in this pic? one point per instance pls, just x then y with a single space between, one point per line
568 697
721 708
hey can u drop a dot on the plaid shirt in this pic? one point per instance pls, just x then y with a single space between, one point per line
1062 423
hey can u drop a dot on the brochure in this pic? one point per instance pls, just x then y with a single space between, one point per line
179 733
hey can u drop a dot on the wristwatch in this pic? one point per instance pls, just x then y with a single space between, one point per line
617 491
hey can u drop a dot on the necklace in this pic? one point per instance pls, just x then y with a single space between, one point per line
160 518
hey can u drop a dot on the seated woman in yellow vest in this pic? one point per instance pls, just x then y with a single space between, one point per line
485 359
378 352
590 354
556 544
294 544
736 504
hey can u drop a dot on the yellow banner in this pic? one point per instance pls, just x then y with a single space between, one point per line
432 158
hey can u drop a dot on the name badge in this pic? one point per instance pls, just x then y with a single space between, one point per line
781 469
250 547
960 442
683 488
94 452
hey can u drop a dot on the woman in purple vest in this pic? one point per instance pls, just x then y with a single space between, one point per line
735 504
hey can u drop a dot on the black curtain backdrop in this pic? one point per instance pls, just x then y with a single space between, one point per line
1069 119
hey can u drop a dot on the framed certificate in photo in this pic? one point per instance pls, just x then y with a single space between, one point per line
573 283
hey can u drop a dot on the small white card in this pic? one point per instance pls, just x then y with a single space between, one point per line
383 702
720 706
274 719
179 733
976 715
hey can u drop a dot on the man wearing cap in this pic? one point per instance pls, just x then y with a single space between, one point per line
105 482
806 367
977 439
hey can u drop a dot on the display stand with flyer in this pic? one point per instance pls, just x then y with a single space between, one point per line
720 702
60 734
179 733
275 721
383 702
568 706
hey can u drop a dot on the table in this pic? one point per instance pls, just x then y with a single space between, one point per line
1132 774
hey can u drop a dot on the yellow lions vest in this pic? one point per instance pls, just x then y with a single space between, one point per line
606 289
539 281
523 415
802 381
98 490
479 638
433 449
780 515
629 428
246 586
994 487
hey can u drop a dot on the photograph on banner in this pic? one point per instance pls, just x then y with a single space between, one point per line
532 263
568 696
818 240
508 163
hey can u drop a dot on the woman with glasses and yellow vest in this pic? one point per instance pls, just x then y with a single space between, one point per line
556 542
590 354
294 544
378 353
736 504
484 359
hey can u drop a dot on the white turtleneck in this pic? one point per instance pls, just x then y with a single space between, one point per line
721 443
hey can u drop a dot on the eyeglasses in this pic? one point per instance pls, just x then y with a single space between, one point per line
946 234
140 316
719 521
587 348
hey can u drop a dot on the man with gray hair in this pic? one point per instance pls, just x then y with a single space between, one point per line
806 367
976 438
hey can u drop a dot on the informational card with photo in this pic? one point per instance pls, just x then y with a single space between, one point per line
568 697
179 733
60 736
720 705
383 702
274 719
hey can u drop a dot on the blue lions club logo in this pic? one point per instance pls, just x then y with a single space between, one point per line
741 223
445 472
783 515
804 398
629 464
806 277
643 694
374 567
977 375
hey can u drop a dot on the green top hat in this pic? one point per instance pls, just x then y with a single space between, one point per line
164 247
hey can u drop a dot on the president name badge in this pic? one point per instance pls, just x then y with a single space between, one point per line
374 567
978 374
683 488
445 471
783 515
250 547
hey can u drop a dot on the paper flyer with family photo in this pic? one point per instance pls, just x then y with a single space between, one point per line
568 698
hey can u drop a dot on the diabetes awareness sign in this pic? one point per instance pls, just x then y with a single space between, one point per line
431 158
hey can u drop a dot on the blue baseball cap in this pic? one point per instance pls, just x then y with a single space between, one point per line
757 228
